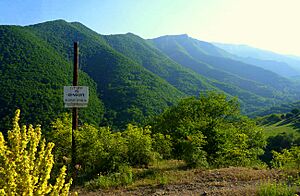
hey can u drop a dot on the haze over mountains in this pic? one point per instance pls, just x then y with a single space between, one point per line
284 65
132 78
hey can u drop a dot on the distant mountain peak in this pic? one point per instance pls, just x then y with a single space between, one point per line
179 36
183 35
58 21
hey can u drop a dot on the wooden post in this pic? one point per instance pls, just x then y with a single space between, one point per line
75 110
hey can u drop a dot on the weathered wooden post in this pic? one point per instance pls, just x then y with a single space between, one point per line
75 109
75 97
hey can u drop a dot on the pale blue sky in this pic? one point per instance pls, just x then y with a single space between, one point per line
267 24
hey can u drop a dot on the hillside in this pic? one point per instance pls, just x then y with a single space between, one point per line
129 91
32 76
277 109
281 64
151 58
134 78
243 80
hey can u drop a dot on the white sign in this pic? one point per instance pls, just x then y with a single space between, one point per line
76 96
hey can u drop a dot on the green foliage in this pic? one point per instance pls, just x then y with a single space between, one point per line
61 135
254 86
277 109
295 111
230 139
97 149
288 158
242 144
101 151
32 76
121 178
193 153
162 144
26 162
142 52
269 119
139 144
129 91
278 143
276 189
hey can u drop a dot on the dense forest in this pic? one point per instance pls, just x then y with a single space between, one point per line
131 78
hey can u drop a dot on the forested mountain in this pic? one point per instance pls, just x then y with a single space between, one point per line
158 63
133 77
206 59
281 64
183 78
129 91
32 76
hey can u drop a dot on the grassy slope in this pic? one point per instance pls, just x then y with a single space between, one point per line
277 128
274 124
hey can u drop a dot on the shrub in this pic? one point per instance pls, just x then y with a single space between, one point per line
288 158
241 147
100 150
26 163
193 154
97 149
139 143
162 144
61 135
278 143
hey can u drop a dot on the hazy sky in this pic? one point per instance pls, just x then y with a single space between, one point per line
267 24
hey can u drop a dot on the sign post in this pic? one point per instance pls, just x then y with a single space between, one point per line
75 97
75 110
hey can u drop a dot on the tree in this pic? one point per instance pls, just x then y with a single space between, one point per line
218 119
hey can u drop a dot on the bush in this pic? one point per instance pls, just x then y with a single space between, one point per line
193 154
26 163
278 143
162 144
288 158
61 135
241 147
100 150
139 143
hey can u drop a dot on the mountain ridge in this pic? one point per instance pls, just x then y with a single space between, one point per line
137 78
243 52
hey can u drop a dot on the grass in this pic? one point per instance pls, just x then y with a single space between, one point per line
277 128
160 173
276 189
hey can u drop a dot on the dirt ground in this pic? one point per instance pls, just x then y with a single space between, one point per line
225 181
